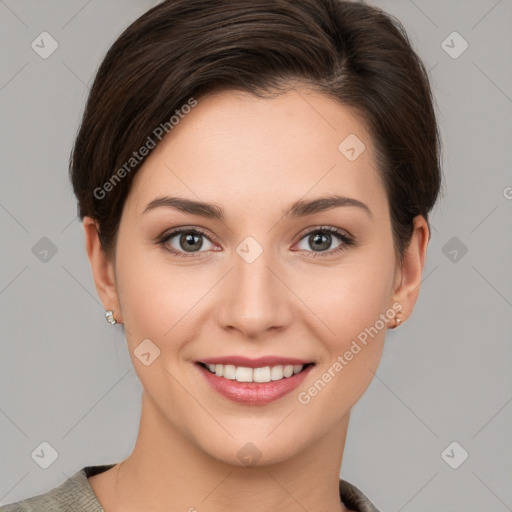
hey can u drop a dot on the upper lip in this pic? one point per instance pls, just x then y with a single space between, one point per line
258 362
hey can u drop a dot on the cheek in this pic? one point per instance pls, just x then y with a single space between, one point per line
354 305
165 302
357 314
352 296
152 294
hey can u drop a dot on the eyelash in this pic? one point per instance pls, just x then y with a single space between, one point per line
346 240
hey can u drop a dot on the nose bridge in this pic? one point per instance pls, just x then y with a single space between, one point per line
255 301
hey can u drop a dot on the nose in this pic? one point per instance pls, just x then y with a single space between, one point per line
255 299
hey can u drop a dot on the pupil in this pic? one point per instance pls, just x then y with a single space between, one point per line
190 241
321 241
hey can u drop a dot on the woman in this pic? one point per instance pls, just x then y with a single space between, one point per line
254 179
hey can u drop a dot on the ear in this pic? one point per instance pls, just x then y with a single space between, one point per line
102 269
408 279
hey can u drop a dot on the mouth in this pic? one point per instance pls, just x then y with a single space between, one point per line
260 374
253 385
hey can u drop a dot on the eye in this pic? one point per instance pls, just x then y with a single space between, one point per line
190 242
186 242
321 240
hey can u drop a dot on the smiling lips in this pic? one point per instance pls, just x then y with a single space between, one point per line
254 381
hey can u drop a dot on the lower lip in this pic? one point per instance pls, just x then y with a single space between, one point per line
254 393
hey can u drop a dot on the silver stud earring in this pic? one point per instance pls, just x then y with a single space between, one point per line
398 320
109 315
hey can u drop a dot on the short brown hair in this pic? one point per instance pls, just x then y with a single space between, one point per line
183 49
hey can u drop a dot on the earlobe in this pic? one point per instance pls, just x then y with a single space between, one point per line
102 268
408 287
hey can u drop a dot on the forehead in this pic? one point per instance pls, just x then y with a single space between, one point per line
239 148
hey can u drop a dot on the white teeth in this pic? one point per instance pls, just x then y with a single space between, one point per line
229 371
276 372
243 374
263 374
288 370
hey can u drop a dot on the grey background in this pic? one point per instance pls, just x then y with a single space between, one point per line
66 376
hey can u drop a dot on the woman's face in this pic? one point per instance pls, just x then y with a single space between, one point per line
271 278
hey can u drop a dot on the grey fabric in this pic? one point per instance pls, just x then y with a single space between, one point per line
76 495
73 495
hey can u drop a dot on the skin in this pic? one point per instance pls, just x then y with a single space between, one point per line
252 157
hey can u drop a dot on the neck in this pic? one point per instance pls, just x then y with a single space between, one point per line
168 471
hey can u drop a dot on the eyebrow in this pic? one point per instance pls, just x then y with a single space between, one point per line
298 209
